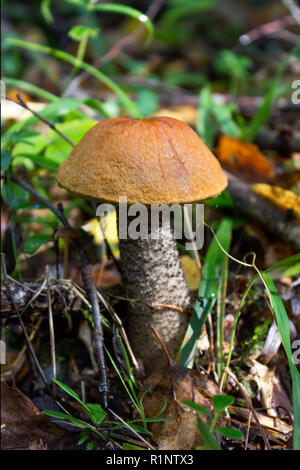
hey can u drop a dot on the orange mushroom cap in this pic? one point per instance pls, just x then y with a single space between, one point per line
151 161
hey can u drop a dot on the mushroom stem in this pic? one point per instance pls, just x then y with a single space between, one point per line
152 273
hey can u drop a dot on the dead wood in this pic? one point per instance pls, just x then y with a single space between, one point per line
282 224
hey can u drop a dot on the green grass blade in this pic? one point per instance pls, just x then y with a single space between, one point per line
45 10
73 394
30 88
207 436
262 114
213 268
127 103
125 10
129 392
206 126
282 321
117 8
223 115
287 262
77 422
220 316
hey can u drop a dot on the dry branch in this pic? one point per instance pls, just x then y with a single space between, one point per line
280 223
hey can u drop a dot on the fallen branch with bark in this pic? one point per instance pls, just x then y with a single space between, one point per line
282 224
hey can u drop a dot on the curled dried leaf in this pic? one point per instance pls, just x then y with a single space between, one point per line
244 159
282 198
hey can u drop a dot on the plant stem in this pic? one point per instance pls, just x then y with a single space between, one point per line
220 318
127 102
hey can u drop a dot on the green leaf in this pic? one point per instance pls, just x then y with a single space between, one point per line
58 149
78 31
138 429
33 243
45 10
194 406
293 270
282 321
221 402
73 394
98 106
60 107
78 422
230 432
147 102
91 446
289 261
75 61
30 88
262 114
13 194
29 146
84 438
229 63
212 273
51 112
97 412
207 436
127 446
121 9
223 201
206 125
5 160
223 115
68 390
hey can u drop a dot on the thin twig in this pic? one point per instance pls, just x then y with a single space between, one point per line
162 344
22 352
266 29
119 324
24 105
37 293
251 409
86 274
110 253
27 339
131 429
124 42
171 307
51 331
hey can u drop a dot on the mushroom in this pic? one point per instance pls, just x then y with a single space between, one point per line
150 161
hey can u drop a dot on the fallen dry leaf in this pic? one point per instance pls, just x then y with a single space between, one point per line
274 427
282 198
273 395
24 427
181 433
264 378
244 159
